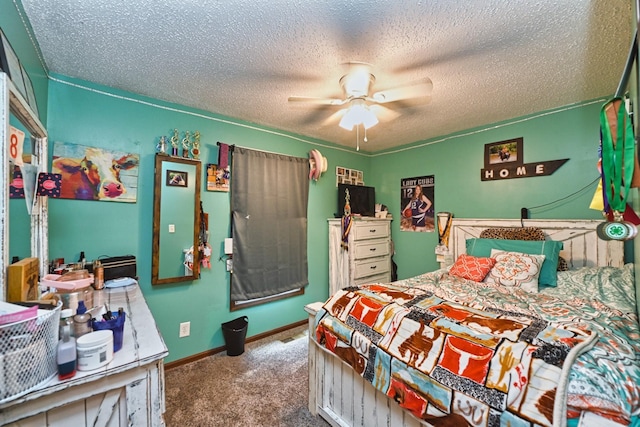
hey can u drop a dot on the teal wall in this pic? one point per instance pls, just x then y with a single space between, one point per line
456 161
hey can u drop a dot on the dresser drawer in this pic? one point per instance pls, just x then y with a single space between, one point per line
370 230
371 248
380 278
370 267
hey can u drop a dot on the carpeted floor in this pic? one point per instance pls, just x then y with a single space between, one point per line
265 386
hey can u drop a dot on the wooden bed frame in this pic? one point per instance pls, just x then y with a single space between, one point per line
343 398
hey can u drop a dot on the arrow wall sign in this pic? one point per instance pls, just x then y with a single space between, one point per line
504 160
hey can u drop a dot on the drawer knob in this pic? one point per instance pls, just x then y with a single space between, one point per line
372 249
373 267
372 230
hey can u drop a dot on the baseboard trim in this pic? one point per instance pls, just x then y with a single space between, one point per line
211 352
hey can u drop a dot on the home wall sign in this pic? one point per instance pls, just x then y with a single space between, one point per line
505 160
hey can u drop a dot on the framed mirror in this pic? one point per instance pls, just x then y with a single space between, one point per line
176 220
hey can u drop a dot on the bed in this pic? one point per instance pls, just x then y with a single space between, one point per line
564 355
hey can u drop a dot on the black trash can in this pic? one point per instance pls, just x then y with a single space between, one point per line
234 332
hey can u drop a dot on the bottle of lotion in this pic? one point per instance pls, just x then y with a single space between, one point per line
66 357
81 321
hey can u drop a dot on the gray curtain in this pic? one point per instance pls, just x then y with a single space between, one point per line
269 195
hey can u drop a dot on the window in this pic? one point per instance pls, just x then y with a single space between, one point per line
269 197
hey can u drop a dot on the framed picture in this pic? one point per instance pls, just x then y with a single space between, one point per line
177 178
10 64
508 151
119 167
218 178
31 96
349 176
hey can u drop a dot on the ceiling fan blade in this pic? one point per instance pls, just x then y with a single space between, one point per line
383 113
419 89
334 118
317 101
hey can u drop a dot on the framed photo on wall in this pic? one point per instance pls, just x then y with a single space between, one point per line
507 151
177 178
10 64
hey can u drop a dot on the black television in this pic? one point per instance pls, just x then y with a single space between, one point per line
361 199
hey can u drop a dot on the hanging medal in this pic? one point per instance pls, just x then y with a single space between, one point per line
618 151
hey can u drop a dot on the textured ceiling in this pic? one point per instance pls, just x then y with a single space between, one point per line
489 60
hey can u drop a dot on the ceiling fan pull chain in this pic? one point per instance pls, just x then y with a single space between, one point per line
365 135
357 138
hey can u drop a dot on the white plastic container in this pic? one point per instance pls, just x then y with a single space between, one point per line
95 350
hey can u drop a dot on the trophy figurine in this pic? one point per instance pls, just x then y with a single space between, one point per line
174 143
195 150
185 145
162 145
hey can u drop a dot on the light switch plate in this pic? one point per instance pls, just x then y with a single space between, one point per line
185 329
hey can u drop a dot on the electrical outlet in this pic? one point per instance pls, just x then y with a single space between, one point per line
185 329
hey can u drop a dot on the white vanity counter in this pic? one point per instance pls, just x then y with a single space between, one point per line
129 391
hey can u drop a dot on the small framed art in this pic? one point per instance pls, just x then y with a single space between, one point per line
508 151
177 178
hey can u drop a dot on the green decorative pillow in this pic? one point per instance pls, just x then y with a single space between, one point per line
549 248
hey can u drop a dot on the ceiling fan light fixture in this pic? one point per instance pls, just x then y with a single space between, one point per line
358 114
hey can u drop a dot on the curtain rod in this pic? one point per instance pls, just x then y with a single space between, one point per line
231 147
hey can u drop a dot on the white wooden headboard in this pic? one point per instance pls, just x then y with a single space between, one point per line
582 247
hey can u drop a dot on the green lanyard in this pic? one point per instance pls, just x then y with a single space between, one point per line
617 159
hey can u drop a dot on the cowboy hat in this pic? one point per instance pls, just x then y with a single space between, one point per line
318 164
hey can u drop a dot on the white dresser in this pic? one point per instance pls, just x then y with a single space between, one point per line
129 391
368 258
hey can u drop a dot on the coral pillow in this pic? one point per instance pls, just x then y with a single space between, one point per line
516 269
471 267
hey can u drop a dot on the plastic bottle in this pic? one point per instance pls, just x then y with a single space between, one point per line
66 319
66 357
81 321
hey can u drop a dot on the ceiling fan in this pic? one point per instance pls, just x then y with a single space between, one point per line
362 105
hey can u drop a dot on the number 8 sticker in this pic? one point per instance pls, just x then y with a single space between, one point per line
16 145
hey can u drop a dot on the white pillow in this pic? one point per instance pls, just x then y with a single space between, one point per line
515 269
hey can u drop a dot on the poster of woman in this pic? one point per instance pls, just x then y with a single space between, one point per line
417 204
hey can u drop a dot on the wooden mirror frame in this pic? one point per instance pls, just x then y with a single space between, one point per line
157 199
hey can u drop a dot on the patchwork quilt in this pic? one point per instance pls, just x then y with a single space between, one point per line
444 360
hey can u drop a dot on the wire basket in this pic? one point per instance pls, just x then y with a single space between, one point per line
28 353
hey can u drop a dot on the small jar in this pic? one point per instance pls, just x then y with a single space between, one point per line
95 350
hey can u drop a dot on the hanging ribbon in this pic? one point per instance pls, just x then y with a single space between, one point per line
223 155
346 222
617 154
203 240
444 227
618 161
